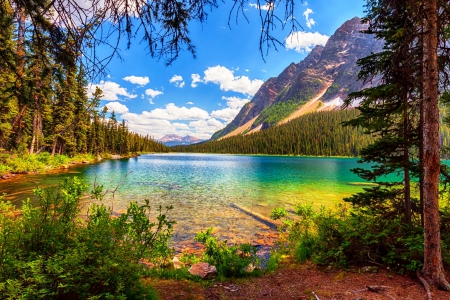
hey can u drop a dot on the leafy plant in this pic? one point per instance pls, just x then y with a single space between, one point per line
49 252
230 261
343 237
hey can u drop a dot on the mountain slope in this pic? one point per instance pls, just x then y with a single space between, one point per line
316 134
319 82
173 139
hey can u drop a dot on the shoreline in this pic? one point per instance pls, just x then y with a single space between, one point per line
71 163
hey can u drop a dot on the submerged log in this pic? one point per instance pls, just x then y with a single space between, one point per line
267 221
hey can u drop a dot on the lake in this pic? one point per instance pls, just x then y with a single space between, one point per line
203 187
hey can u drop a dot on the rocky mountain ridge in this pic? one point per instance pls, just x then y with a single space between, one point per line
173 140
319 82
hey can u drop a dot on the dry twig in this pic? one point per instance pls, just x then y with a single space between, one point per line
315 295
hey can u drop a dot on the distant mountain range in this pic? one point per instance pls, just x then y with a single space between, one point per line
174 140
320 82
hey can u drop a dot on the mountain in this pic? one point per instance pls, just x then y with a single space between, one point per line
319 82
173 140
316 134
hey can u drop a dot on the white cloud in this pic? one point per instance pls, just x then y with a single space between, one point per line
309 21
207 126
177 80
264 7
247 70
235 102
117 107
234 106
111 90
190 103
227 81
226 114
173 112
172 119
153 93
302 41
196 78
137 80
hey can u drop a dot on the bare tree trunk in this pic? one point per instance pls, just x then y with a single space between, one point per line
34 132
54 147
407 190
432 268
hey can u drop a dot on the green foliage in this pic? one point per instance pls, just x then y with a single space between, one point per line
333 89
340 237
28 163
230 261
49 252
278 111
318 134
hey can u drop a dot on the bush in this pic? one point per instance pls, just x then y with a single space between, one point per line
230 261
49 252
342 237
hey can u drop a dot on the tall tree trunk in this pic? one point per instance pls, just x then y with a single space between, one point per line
55 142
407 190
432 267
421 145
34 132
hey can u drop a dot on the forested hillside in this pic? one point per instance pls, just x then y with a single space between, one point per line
44 105
318 133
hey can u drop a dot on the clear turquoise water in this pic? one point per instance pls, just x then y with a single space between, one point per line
201 187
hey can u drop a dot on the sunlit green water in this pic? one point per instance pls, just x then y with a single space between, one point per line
202 187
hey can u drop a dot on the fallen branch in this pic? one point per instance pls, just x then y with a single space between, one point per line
425 285
315 295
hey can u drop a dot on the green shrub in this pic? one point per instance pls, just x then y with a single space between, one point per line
49 252
3 169
342 237
59 160
230 261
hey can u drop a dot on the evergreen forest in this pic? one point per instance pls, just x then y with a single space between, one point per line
315 134
44 106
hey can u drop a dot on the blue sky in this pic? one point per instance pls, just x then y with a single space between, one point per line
200 96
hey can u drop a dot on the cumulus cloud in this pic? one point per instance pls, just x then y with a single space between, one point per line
117 107
137 80
190 103
263 7
235 102
309 21
227 81
173 112
111 90
173 119
302 41
208 126
234 105
177 80
196 78
153 93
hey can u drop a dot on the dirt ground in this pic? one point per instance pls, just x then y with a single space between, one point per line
294 281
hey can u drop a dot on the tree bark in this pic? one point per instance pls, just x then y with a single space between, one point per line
407 182
432 268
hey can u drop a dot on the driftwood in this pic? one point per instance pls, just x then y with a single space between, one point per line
379 289
425 285
256 216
